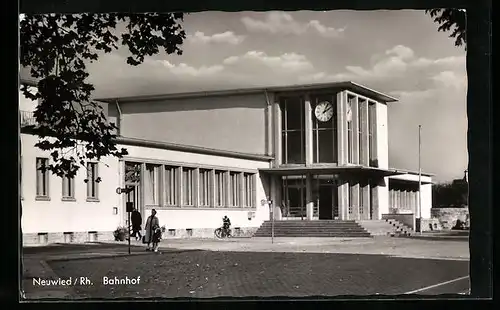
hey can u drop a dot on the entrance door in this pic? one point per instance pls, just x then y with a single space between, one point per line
133 195
325 202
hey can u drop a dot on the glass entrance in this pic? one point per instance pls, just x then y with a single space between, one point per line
294 197
133 186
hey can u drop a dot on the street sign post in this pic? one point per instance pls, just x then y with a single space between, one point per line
130 207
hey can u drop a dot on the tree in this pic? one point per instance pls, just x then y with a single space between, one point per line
454 20
57 48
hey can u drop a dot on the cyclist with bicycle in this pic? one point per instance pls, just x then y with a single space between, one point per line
226 224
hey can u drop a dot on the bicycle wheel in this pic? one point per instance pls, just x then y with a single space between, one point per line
218 233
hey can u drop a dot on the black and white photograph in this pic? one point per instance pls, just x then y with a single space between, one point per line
243 154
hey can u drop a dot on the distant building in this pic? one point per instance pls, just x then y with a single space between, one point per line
317 151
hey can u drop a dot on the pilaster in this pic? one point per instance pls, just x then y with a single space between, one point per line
341 128
309 197
308 130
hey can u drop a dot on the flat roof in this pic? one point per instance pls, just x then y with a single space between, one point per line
330 169
414 172
354 87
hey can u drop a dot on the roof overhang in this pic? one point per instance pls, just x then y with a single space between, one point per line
347 85
333 170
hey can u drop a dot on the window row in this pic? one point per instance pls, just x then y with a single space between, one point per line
68 184
198 187
360 118
403 199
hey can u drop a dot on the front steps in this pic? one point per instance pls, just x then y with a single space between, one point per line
319 228
387 227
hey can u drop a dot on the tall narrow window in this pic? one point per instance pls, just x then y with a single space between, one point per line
362 131
42 177
372 123
170 186
234 189
204 186
68 188
152 185
324 126
188 186
249 189
92 185
220 188
293 130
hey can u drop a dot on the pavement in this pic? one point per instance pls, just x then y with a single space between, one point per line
207 268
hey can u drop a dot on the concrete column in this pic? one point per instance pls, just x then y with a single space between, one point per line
273 196
355 131
355 201
375 202
341 128
365 191
309 197
277 133
308 128
364 154
342 193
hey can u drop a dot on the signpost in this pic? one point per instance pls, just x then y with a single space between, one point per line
129 208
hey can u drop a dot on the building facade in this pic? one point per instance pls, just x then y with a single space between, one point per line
316 152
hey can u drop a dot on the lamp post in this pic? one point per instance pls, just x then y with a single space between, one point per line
419 179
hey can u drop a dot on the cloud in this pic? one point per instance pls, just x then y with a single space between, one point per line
184 69
398 68
284 23
225 37
450 79
286 61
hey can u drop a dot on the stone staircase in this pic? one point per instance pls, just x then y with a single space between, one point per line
387 227
320 228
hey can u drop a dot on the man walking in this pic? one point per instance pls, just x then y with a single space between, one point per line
136 224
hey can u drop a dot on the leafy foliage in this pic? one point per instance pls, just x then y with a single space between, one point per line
454 20
454 194
56 48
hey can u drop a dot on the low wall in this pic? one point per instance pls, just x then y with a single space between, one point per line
448 217
430 224
406 219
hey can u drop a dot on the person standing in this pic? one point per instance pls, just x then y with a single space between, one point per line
136 224
152 224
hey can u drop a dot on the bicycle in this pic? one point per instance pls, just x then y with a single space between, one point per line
221 233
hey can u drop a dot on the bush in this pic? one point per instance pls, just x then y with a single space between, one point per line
120 234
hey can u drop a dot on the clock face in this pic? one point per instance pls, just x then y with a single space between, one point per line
324 111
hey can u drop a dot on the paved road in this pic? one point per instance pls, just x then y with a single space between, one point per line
254 267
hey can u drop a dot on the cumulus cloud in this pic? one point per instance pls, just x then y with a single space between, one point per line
398 68
184 69
450 79
284 23
286 61
227 37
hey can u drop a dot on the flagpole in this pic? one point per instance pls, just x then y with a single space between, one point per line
419 178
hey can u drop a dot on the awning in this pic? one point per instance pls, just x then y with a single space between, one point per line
331 170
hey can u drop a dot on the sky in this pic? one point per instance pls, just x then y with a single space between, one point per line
400 53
